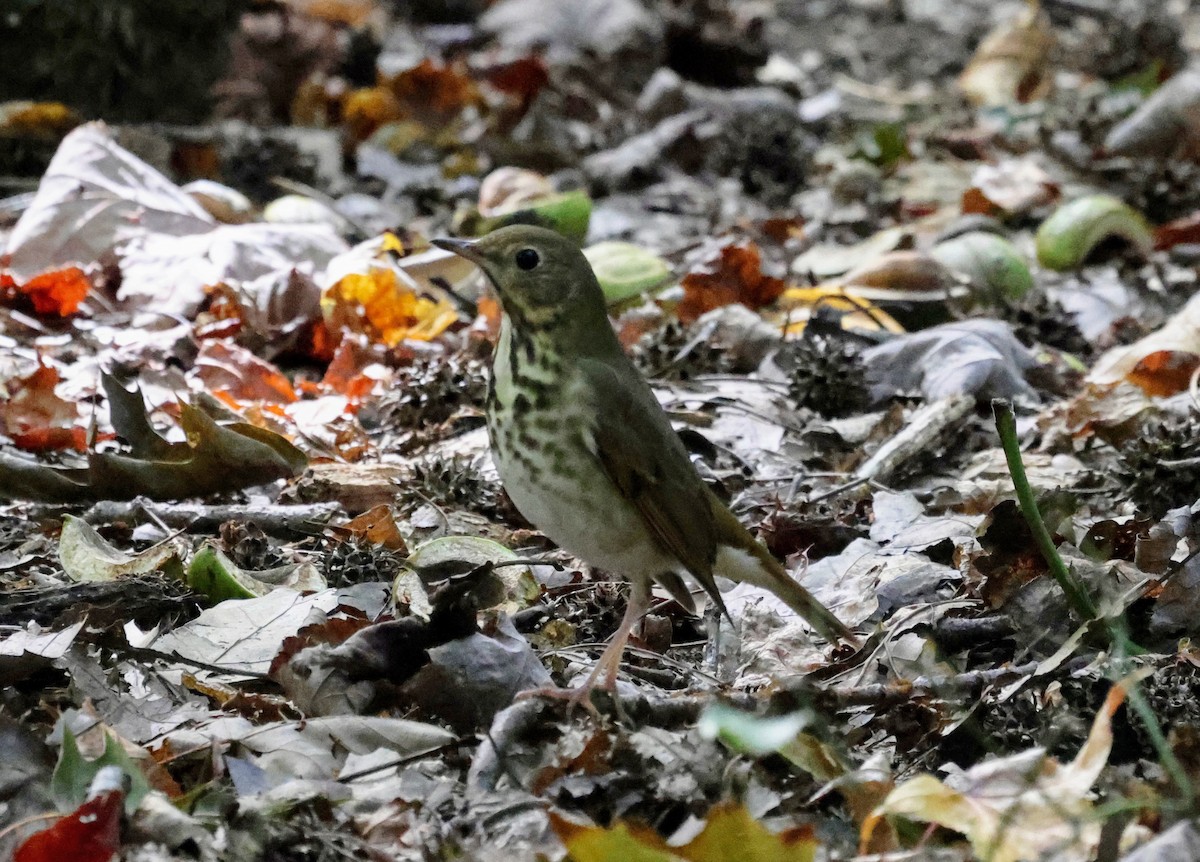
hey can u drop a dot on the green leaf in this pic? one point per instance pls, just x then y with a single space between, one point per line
73 773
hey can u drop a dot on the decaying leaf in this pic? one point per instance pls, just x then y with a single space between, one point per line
85 556
93 195
974 357
36 417
226 368
215 457
1019 807
1010 188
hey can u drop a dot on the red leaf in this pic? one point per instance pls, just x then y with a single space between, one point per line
228 367
523 78
1177 232
37 419
735 276
92 833
57 293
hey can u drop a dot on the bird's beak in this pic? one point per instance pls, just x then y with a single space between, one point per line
462 247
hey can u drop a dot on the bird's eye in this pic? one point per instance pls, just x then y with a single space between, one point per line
527 258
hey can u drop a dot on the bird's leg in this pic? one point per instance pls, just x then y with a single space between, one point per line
609 663
610 660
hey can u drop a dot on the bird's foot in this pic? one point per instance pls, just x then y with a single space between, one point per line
575 697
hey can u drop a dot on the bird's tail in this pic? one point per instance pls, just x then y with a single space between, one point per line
754 565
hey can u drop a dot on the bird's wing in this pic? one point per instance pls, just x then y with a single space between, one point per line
644 457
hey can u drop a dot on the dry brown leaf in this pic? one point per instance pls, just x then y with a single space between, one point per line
1162 362
1019 807
1011 65
229 368
735 275
37 418
1012 187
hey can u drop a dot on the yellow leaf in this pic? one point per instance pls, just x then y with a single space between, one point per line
732 834
629 843
1024 806
379 305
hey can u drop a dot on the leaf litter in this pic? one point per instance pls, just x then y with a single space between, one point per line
262 596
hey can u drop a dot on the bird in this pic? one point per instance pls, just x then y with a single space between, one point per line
587 453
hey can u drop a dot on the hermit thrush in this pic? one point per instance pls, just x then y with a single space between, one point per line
586 452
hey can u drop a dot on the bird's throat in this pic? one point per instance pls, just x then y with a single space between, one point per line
527 373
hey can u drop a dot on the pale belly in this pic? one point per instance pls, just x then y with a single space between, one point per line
582 514
585 516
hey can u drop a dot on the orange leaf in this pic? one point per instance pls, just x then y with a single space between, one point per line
37 418
367 109
58 292
735 276
378 526
378 305
225 366
430 88
345 374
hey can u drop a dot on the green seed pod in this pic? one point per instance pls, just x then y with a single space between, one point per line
625 270
567 213
1072 233
992 263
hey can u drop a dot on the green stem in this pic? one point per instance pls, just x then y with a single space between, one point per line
1081 602
1006 426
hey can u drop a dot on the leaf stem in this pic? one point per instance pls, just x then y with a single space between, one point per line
1006 426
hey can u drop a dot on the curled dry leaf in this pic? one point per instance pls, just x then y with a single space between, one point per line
216 457
901 272
509 188
1019 807
734 275
85 556
974 357
1162 362
1012 65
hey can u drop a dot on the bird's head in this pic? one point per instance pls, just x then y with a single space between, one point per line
542 277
